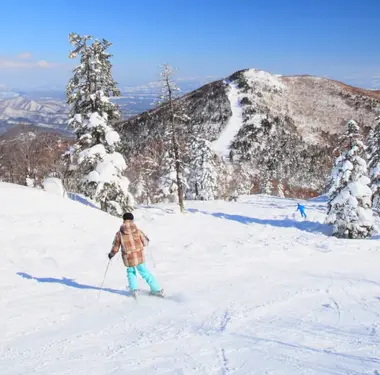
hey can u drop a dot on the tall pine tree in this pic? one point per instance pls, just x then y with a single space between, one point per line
373 152
203 170
349 206
241 182
94 159
175 164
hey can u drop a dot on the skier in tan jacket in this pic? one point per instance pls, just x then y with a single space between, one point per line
132 240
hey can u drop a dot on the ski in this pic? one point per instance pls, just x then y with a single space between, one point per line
135 294
159 294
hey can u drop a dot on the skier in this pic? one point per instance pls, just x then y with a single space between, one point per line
132 241
301 209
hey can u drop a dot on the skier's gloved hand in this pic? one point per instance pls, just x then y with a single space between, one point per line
110 256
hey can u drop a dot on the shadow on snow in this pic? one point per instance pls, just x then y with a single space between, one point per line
80 199
71 283
306 226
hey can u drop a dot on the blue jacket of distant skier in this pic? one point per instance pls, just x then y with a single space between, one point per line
301 209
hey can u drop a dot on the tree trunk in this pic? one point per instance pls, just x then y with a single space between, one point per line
178 174
176 155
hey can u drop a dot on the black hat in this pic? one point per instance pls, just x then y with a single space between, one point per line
128 216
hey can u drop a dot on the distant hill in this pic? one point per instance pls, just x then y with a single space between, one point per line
47 107
280 128
45 113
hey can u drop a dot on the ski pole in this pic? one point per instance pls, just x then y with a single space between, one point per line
150 252
151 257
104 278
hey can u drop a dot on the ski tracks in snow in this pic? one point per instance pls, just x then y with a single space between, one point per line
257 299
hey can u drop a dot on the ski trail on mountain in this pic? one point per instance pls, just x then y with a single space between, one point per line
221 145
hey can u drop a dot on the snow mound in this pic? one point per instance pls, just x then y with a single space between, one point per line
242 279
54 185
265 80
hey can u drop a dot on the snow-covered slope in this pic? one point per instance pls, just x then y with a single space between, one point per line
23 104
222 144
251 290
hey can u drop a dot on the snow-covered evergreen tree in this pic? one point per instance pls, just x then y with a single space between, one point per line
225 177
280 189
94 159
143 170
235 180
168 182
373 151
277 152
92 85
349 206
174 155
203 170
267 187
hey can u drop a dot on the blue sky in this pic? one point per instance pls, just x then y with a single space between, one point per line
203 38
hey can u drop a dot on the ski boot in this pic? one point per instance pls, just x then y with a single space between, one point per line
159 293
134 293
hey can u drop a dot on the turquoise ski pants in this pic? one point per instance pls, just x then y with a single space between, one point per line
145 274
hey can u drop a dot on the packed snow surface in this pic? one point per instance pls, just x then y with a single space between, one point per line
54 185
251 289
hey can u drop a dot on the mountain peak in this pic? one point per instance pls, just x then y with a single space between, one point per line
278 128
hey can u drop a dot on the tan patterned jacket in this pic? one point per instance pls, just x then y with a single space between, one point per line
132 241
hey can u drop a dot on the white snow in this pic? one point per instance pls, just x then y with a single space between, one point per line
251 289
264 80
30 182
365 215
54 185
360 188
96 120
78 118
124 185
97 151
221 145
112 137
347 166
108 170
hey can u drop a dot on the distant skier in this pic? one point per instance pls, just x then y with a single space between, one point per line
301 209
132 241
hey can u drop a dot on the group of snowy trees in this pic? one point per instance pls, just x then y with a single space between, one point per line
203 170
95 166
154 176
373 151
97 169
28 155
354 185
282 161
